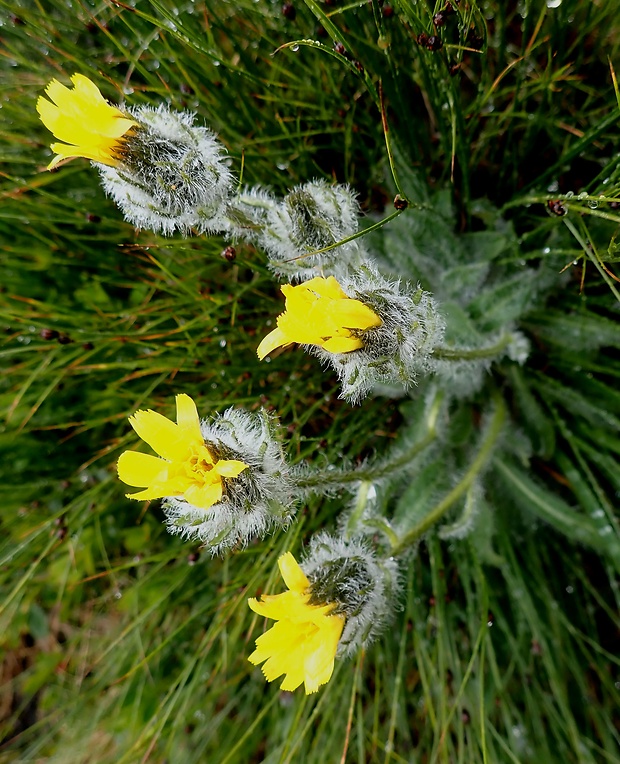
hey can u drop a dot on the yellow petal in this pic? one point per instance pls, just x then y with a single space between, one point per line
148 494
85 152
205 496
342 344
84 121
354 314
139 469
290 605
319 663
326 287
319 312
162 435
187 417
293 575
273 340
230 468
87 88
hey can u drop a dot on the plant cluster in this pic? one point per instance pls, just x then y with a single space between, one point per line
478 411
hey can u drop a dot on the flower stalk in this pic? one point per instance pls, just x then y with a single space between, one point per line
475 468
475 354
370 472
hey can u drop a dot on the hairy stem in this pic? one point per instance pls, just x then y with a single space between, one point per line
483 455
381 468
458 354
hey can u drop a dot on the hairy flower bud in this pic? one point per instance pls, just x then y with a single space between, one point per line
311 217
363 587
171 175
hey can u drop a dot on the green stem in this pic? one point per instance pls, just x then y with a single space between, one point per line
358 510
455 494
458 354
372 472
588 251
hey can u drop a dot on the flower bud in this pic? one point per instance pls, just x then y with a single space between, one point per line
364 587
171 175
311 217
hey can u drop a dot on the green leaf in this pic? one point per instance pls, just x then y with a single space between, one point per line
539 426
538 500
583 331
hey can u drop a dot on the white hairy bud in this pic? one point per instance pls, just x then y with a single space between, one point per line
171 176
363 586
311 217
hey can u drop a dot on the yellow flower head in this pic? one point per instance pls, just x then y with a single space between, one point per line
319 312
302 644
185 466
81 117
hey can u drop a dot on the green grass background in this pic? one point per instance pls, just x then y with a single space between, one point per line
120 643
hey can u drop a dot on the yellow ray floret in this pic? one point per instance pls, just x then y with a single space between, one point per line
319 312
185 465
89 126
302 644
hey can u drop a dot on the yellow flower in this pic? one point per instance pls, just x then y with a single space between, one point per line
186 468
81 117
319 312
302 644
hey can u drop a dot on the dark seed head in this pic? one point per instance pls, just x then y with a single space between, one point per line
64 340
439 19
339 48
400 203
49 334
388 11
434 43
289 12
230 253
556 207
